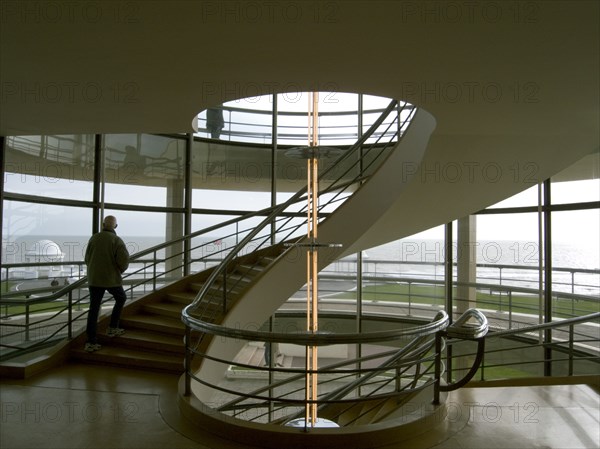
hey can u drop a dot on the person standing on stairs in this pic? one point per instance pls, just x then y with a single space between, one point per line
106 258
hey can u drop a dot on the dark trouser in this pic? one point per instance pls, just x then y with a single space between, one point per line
96 295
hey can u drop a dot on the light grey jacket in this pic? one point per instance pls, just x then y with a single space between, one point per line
106 258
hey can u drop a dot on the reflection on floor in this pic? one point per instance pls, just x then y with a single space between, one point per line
78 406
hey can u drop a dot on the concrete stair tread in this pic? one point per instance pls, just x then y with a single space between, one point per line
183 297
140 338
132 358
171 309
154 322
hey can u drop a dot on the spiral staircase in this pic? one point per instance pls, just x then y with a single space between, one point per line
211 309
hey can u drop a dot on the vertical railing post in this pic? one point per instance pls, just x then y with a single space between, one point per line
482 367
70 316
510 310
571 338
27 322
548 287
224 290
154 272
438 368
187 362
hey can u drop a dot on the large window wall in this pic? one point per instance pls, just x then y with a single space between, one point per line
57 188
535 254
531 258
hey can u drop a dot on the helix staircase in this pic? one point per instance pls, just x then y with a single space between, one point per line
249 285
155 332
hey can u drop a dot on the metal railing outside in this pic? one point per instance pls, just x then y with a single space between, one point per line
562 348
336 128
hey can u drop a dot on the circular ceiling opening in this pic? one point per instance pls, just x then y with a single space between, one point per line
284 118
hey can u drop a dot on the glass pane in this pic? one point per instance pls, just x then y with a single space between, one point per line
508 239
338 102
508 255
576 262
230 177
576 238
143 169
372 102
338 129
50 166
142 230
575 191
40 233
525 198
244 120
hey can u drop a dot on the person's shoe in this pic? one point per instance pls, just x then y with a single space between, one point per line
115 331
92 347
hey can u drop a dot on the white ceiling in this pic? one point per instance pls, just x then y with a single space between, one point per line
513 86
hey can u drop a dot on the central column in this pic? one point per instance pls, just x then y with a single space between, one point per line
312 312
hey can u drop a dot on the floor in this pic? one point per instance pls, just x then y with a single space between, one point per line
84 406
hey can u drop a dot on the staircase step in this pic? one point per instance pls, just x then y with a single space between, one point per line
147 340
183 297
350 414
155 323
385 409
368 413
250 270
131 358
242 278
196 286
164 308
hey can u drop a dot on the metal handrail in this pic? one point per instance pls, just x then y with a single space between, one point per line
258 135
323 338
544 326
326 274
460 329
413 354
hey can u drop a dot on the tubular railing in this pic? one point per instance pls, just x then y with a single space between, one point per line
561 348
400 364
61 310
355 385
506 306
237 129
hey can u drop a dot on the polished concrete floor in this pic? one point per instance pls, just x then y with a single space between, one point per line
85 406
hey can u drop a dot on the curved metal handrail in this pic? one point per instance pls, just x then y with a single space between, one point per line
237 130
322 338
411 355
460 329
544 326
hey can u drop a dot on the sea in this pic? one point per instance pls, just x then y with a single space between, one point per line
576 269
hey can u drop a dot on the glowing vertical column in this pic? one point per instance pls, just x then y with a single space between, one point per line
312 288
